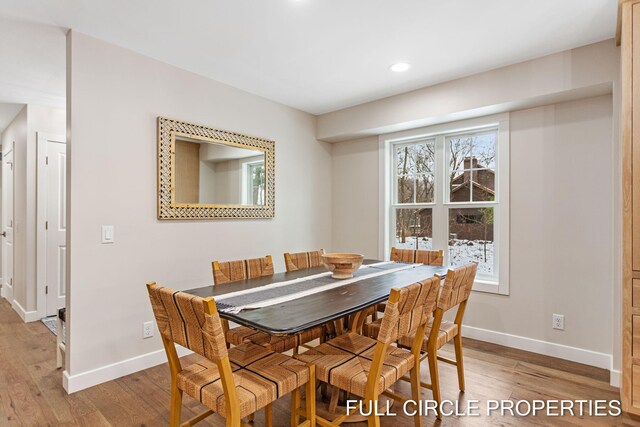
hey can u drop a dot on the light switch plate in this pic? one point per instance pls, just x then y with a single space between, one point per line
107 234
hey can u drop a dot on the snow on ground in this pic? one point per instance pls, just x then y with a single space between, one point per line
460 251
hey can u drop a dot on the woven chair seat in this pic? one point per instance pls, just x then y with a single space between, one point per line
345 362
448 330
261 376
242 334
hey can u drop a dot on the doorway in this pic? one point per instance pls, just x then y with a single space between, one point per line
52 223
7 224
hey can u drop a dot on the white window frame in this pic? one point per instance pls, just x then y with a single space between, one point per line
245 181
440 206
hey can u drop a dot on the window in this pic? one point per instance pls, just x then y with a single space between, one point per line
253 183
446 188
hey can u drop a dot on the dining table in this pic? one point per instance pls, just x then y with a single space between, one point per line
296 308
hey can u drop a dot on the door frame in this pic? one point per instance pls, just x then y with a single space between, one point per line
5 290
41 217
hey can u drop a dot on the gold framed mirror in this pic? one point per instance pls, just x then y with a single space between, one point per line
206 173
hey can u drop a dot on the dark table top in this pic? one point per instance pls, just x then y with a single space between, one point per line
312 310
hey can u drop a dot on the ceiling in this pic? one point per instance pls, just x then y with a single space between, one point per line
314 55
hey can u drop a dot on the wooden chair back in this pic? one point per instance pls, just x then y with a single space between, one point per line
403 255
435 258
189 321
454 293
457 286
303 260
430 257
408 308
232 271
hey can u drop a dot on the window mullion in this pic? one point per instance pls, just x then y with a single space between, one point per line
438 231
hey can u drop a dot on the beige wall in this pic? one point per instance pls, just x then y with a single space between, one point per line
562 218
561 228
356 201
114 98
23 130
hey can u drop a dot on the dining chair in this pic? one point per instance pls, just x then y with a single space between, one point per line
233 271
368 367
302 260
418 256
234 383
454 293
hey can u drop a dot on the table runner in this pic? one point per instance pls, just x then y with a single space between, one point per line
276 293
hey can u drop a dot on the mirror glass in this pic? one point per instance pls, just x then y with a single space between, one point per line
214 173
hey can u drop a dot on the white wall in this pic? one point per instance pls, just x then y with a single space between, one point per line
16 134
114 98
23 130
562 219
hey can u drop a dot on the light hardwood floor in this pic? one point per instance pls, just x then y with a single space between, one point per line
31 393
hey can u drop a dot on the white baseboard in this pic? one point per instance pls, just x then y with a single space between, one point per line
83 380
615 378
574 354
27 316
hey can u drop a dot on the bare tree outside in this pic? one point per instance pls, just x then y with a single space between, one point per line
415 165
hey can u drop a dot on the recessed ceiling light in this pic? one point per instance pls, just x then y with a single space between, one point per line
400 67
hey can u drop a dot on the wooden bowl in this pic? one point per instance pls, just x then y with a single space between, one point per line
342 265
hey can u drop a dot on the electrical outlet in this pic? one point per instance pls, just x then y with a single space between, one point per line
558 322
147 330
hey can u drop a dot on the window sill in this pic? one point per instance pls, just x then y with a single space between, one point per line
490 287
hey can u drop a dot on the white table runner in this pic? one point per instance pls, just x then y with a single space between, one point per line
295 295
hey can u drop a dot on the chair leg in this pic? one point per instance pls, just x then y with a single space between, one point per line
435 380
335 396
415 391
268 415
295 404
323 339
373 420
231 422
310 391
176 406
457 344
324 390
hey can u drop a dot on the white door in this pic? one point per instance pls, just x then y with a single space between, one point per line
7 225
56 226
